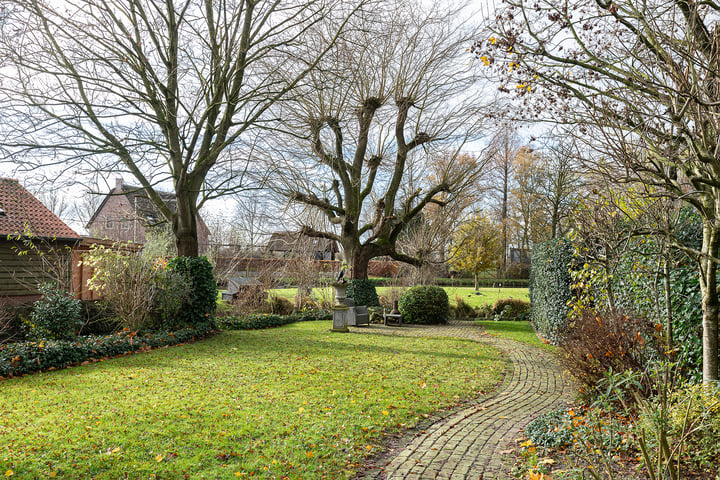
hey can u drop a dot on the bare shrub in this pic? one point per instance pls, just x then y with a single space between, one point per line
597 344
8 332
250 299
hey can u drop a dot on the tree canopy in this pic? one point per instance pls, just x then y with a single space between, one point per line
170 92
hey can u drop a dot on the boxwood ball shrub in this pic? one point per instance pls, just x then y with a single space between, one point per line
202 301
363 292
424 304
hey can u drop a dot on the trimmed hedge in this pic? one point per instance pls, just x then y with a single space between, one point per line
29 357
259 321
424 304
363 292
550 288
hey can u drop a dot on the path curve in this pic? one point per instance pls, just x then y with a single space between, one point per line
467 443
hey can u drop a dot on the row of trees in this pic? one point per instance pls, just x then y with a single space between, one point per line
640 80
331 105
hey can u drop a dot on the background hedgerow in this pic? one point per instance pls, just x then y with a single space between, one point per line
264 320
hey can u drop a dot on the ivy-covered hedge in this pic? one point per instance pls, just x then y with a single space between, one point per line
29 357
550 287
259 321
201 305
363 292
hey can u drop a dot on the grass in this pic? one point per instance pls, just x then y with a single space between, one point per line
295 402
486 295
518 331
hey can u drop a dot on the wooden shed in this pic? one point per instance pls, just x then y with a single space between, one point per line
35 245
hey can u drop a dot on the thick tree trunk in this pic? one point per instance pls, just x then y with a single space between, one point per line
710 305
359 263
185 227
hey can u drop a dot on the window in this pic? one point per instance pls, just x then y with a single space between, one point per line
125 225
109 223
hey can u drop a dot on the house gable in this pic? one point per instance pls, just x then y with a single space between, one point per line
127 213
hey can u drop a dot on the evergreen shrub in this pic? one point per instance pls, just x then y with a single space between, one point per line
58 315
201 303
550 288
424 304
28 357
363 292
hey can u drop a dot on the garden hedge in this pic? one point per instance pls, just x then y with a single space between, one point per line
202 303
363 292
29 357
550 287
259 321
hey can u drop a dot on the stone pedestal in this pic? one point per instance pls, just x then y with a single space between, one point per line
340 319
340 310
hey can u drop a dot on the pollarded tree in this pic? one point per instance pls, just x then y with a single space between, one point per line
392 91
165 91
642 79
477 246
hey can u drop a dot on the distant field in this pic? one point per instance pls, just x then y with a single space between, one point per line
483 296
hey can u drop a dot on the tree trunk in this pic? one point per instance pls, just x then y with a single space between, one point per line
668 306
710 306
359 264
185 226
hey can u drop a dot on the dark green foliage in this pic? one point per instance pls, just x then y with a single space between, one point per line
57 315
363 292
259 321
28 357
552 429
511 309
201 303
424 304
639 288
550 288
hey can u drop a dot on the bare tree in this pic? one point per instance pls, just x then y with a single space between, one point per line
503 149
389 94
170 92
641 78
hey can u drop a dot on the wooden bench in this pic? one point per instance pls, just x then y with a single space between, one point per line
392 318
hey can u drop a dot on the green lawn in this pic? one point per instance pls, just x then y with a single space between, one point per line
487 295
518 331
296 401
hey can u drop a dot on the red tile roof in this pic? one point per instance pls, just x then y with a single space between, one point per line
19 208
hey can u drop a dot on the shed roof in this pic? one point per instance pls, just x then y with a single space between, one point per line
21 212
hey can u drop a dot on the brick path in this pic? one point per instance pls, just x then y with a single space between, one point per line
466 443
